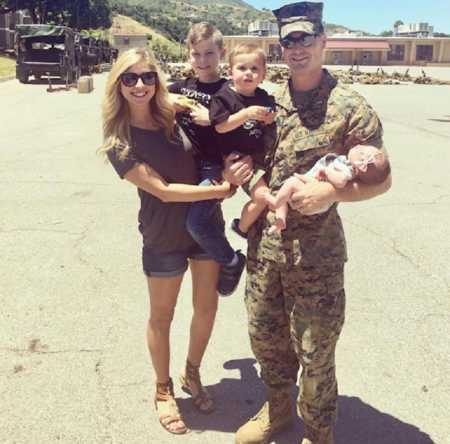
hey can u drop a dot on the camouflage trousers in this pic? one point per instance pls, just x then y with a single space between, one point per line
296 314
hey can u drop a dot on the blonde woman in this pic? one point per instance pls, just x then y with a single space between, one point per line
144 145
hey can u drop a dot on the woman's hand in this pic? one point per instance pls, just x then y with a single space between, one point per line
237 170
200 115
230 189
181 103
225 188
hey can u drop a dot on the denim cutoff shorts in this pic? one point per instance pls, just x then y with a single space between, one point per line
170 264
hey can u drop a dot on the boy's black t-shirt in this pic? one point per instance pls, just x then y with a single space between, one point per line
248 138
203 138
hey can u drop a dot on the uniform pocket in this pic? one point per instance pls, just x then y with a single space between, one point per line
313 142
310 149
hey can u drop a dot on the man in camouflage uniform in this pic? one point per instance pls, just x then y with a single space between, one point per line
295 284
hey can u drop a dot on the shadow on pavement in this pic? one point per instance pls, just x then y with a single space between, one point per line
236 399
239 399
44 81
359 423
440 120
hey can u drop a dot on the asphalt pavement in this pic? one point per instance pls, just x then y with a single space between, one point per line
73 361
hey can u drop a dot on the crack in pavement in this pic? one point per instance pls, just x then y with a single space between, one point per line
392 243
26 230
412 204
106 402
55 182
416 128
131 384
79 253
42 351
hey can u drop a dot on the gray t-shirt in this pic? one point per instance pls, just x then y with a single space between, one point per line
162 224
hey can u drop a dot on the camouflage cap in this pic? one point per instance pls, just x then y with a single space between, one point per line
299 17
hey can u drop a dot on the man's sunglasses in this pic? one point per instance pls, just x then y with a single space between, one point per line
130 78
305 40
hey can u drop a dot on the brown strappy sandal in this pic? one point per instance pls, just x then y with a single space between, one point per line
167 408
191 384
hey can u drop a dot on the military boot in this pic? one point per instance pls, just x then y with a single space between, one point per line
318 436
274 415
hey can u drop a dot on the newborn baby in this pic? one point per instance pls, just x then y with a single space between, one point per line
364 162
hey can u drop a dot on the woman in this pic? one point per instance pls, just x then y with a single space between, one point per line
146 148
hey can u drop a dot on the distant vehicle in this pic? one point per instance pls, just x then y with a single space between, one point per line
114 54
7 40
46 50
88 54
106 51
8 22
92 53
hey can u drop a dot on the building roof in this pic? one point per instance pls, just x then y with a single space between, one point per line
370 45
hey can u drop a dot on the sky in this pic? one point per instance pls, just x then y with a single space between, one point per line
377 15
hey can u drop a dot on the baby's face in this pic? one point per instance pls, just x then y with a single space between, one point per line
362 156
247 72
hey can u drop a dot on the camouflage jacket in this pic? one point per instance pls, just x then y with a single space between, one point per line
330 119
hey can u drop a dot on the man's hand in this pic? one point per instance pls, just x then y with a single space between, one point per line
200 115
237 170
313 196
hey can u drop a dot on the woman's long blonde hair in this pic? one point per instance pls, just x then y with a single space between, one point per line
115 111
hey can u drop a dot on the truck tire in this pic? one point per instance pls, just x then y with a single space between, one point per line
70 77
77 73
23 77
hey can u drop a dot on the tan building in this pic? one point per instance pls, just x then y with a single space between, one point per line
418 51
364 50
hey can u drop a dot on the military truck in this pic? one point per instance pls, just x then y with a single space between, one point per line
106 54
87 53
46 50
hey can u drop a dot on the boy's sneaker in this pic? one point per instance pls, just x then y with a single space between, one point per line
230 274
235 227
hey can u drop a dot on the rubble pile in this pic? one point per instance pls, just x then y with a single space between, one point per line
380 77
425 80
177 71
280 73
277 74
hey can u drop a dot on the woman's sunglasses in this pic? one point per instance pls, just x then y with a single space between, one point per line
305 40
130 78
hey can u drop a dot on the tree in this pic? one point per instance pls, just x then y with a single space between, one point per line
398 23
386 34
75 13
100 14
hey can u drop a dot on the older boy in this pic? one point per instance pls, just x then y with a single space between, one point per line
205 47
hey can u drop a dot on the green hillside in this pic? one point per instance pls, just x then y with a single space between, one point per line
173 18
7 67
161 45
